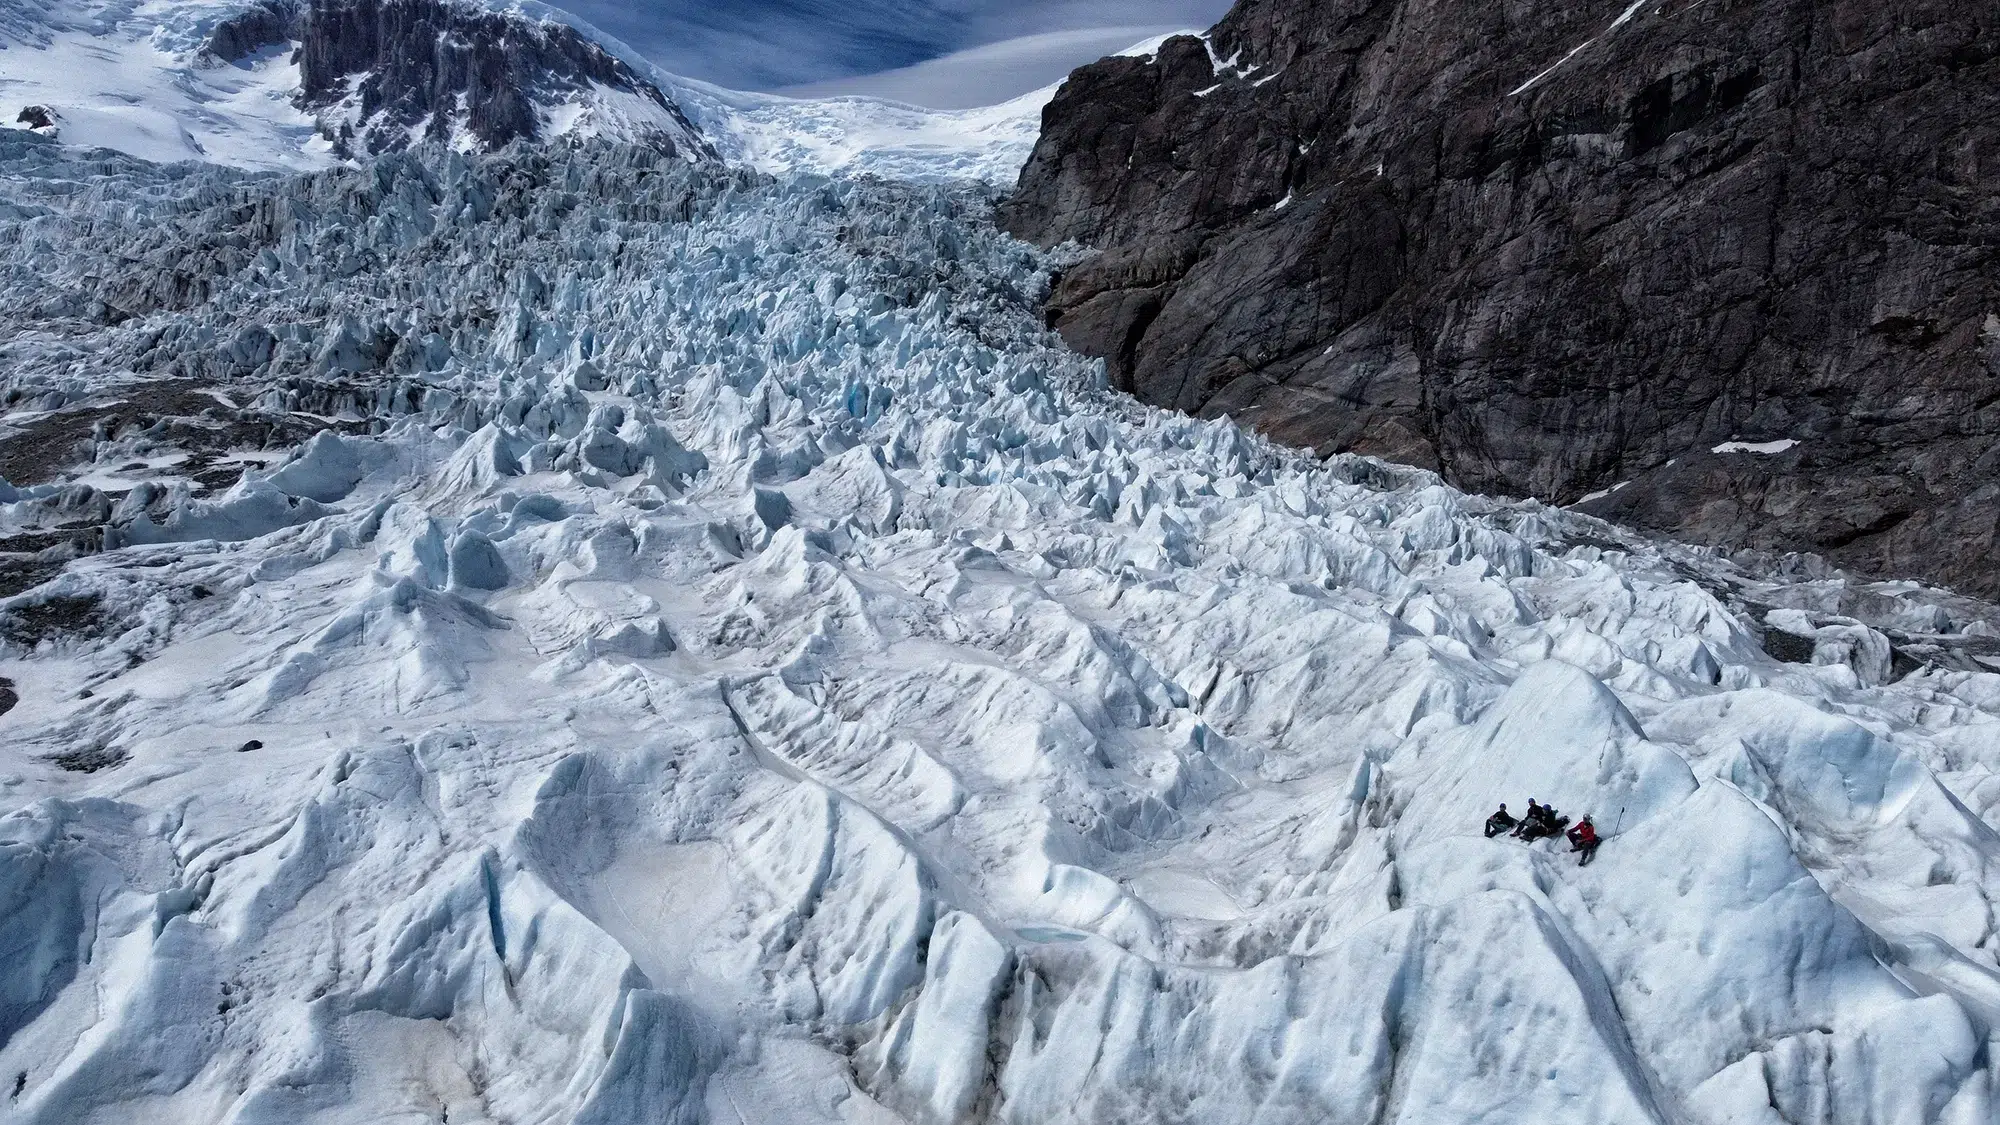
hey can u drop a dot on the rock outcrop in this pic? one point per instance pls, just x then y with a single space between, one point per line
381 75
266 24
38 119
1560 247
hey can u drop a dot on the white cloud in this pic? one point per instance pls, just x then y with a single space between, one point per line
989 74
774 44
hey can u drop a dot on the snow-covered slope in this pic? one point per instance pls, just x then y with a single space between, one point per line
855 135
227 82
305 83
849 135
596 639
130 77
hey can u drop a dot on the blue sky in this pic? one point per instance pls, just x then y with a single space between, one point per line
995 49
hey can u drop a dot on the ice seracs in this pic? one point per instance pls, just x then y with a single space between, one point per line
715 657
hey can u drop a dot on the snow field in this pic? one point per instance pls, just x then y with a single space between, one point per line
721 660
132 78
128 77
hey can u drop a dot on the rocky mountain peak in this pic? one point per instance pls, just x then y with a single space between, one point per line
380 75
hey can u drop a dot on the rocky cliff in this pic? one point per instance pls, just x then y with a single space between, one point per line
1558 248
381 75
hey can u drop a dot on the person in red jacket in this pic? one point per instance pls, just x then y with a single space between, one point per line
1583 838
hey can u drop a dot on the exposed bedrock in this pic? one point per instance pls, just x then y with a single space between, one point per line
1551 247
382 75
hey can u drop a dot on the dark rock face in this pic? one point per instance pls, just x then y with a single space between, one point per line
39 118
1551 247
383 74
268 24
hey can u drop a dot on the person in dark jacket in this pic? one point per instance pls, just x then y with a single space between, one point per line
1533 814
1500 822
1543 821
1583 838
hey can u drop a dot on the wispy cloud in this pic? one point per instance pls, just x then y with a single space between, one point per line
774 44
987 74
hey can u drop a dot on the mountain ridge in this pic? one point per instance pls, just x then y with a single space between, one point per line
259 84
382 74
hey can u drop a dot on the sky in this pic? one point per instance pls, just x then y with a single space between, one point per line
947 54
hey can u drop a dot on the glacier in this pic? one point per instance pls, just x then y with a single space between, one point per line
575 635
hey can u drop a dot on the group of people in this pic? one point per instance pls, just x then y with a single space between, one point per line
1543 820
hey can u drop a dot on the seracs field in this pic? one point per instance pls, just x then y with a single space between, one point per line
585 638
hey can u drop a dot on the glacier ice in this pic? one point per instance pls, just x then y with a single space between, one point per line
711 655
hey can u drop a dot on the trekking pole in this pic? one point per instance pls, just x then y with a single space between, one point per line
1621 820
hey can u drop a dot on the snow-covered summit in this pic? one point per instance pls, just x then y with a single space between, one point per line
384 74
301 83
592 638
308 83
